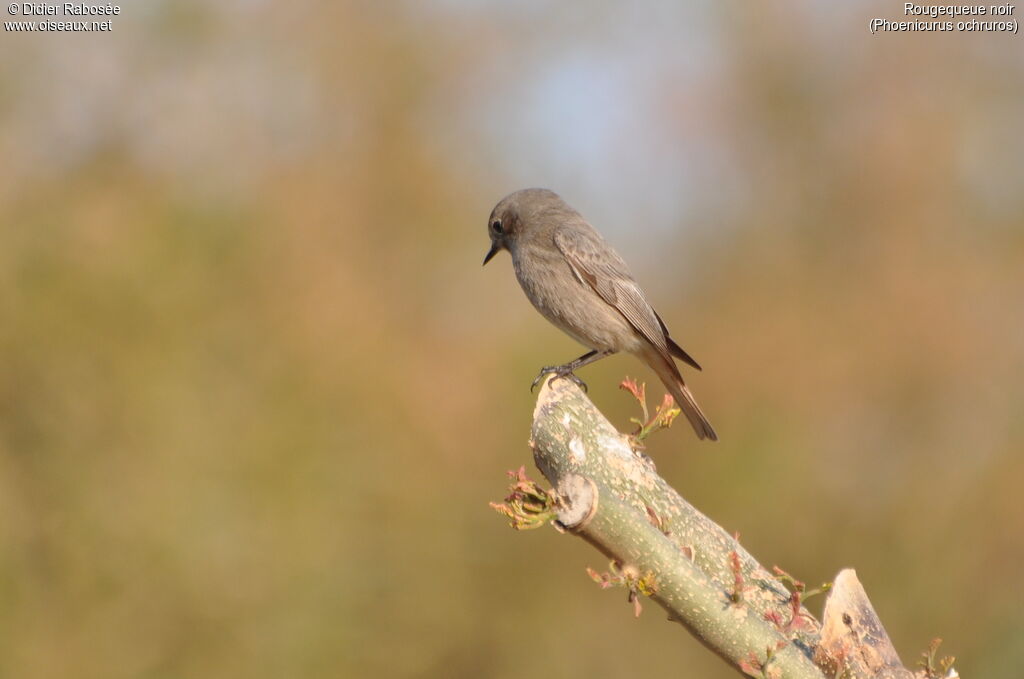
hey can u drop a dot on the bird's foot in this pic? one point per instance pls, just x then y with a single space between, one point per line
560 372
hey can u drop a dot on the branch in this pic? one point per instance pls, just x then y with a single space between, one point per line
664 548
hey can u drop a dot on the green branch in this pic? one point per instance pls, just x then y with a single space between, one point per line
661 547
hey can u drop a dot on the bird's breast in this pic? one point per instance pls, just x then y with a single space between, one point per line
568 303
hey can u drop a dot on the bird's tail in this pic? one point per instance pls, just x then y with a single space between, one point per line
666 369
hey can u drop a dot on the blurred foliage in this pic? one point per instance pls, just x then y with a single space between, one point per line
256 391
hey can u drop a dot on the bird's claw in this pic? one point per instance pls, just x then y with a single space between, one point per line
571 376
560 371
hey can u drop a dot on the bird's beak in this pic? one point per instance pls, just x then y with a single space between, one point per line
493 251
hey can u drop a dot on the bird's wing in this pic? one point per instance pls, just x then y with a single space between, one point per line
596 264
674 348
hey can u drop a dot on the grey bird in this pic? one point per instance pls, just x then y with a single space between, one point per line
580 284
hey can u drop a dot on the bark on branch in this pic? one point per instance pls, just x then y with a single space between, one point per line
666 549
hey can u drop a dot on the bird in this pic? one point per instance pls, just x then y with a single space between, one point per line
579 283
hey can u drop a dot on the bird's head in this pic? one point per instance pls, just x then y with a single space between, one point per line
516 214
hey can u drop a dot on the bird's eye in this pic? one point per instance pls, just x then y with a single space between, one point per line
496 226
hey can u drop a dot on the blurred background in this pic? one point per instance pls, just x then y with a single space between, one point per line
256 390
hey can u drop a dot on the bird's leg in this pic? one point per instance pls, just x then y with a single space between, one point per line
567 370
